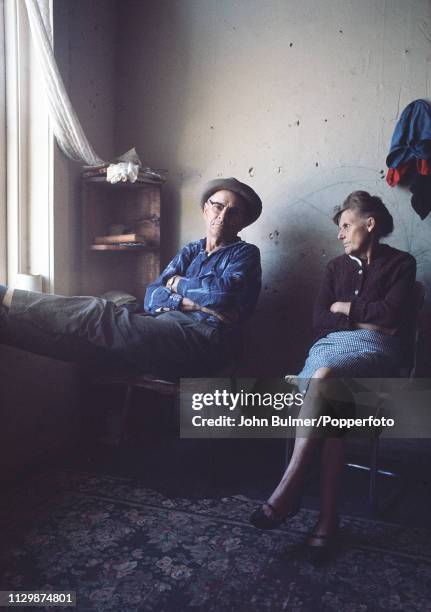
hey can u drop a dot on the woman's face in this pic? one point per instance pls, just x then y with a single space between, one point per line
355 232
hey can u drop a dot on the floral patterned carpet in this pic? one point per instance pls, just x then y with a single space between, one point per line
122 547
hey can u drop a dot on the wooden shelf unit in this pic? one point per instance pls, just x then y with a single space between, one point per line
136 206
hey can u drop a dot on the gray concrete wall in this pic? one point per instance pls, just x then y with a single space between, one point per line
297 98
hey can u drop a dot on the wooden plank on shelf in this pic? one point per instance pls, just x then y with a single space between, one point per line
145 181
114 239
118 247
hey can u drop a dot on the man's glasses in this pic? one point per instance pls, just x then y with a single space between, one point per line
218 208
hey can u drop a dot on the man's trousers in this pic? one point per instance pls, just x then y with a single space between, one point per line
96 333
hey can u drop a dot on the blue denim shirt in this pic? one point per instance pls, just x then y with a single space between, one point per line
226 281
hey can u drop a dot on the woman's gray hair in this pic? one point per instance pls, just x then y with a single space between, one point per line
366 206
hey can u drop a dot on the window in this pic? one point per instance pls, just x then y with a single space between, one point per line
28 154
2 152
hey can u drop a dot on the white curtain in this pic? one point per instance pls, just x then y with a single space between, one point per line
66 126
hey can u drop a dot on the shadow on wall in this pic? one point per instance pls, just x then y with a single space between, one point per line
280 333
170 215
423 366
152 107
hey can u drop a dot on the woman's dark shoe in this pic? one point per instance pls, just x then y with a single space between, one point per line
260 520
319 540
320 545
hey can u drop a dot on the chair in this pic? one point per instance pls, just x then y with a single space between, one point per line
407 370
131 382
168 388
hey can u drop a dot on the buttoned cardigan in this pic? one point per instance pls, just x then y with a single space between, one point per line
381 292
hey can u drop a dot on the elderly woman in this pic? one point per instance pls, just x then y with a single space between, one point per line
362 312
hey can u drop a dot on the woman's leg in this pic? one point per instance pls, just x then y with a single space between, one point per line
332 462
286 495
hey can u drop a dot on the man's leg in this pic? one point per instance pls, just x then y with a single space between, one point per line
174 345
70 328
92 330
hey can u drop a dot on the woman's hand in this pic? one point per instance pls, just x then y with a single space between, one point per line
341 307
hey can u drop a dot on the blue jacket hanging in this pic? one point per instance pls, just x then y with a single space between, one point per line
412 135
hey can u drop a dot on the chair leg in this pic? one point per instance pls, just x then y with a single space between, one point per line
175 421
372 494
233 384
125 413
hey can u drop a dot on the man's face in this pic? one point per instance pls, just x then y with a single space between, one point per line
224 215
355 232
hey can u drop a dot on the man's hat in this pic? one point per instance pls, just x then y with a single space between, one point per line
250 197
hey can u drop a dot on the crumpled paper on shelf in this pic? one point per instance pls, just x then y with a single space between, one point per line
125 169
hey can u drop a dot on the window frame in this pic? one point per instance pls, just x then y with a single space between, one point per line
3 218
29 154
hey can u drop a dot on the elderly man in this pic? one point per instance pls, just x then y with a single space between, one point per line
190 322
